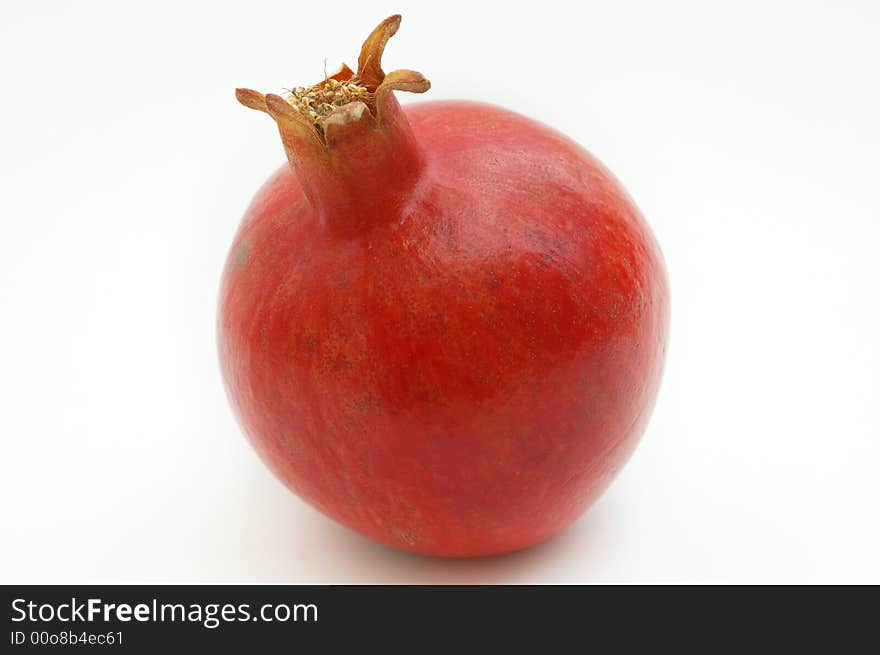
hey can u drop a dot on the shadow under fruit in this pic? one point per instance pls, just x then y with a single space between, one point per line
443 326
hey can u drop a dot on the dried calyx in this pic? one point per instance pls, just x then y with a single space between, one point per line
340 98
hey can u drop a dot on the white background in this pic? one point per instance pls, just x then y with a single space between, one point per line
748 132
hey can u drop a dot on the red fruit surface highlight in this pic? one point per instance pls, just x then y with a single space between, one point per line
443 326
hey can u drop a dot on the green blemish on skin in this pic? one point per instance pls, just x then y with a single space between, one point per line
242 253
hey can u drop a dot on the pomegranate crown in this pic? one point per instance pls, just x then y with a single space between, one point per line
312 114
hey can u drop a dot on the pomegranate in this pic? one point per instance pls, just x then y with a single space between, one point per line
442 326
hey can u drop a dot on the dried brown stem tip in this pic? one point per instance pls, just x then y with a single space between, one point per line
313 106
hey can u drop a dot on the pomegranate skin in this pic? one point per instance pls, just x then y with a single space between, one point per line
465 371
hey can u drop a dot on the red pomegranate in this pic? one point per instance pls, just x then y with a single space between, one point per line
442 326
